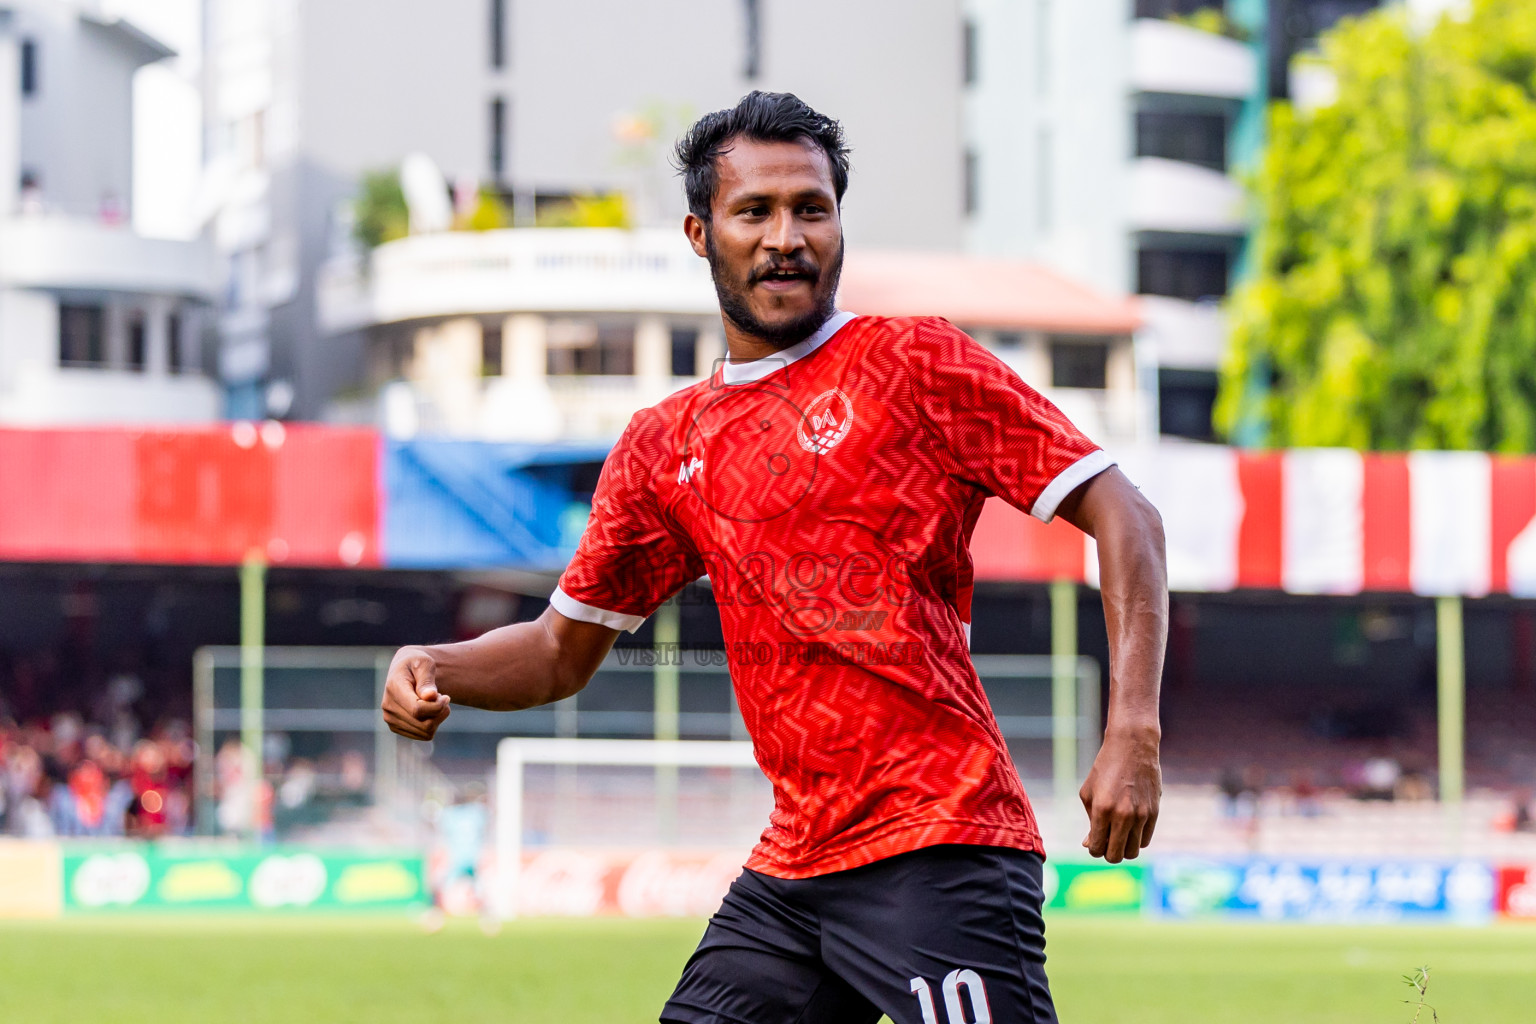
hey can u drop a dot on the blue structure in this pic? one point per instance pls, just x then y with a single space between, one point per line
479 505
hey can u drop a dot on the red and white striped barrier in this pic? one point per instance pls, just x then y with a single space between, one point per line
1306 521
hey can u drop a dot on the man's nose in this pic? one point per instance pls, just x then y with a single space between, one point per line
783 233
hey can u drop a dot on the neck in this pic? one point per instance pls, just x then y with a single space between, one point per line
745 347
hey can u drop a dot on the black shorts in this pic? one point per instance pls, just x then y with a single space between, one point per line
944 935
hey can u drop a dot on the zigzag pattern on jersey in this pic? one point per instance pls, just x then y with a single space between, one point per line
842 575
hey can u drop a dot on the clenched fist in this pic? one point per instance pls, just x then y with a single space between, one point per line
412 705
1122 795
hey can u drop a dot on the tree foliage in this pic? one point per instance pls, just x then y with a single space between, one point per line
379 211
1393 300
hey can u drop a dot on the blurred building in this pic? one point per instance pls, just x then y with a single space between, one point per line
533 334
97 324
1107 138
539 102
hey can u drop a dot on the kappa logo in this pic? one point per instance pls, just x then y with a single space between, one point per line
826 422
688 468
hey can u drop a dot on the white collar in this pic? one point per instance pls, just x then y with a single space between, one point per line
757 369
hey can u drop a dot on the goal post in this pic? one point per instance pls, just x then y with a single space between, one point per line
514 755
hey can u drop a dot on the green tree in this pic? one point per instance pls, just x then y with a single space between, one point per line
1393 300
379 211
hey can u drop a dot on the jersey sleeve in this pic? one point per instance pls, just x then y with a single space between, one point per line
631 556
991 428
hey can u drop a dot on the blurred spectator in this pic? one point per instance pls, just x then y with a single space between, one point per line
354 777
88 787
460 884
1414 786
296 804
1524 821
1231 786
1378 778
69 779
1305 797
148 814
234 811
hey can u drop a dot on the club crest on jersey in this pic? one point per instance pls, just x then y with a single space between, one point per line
826 422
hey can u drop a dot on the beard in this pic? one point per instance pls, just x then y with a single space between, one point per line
736 308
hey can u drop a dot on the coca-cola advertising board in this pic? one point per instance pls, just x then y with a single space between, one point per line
625 883
1517 892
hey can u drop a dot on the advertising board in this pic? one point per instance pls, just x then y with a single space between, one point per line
1318 890
1094 888
151 878
1517 892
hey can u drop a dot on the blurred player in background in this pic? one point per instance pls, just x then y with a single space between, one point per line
827 477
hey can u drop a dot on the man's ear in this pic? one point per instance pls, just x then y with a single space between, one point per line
698 234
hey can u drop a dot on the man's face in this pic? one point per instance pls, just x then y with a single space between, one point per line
775 240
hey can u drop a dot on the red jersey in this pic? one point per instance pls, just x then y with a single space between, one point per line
829 493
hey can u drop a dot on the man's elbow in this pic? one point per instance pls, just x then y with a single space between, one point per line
1135 529
1151 523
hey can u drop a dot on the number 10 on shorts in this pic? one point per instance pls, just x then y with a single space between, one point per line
954 1009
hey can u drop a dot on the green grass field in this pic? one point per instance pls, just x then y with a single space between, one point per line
382 971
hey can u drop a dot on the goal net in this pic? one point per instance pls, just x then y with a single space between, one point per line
639 828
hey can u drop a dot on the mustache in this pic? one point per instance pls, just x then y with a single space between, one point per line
792 264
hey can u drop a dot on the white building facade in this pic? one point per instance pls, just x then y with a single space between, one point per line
538 101
537 334
1107 138
97 324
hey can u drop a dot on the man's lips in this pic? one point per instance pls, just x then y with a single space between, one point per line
783 284
779 279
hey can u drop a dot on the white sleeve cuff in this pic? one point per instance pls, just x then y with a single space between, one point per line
571 608
1069 480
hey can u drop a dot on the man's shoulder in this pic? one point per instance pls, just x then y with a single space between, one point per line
656 431
679 401
903 326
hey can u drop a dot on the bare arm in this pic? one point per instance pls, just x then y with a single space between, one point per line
508 669
1126 784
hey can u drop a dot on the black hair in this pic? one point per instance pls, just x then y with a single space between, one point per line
762 117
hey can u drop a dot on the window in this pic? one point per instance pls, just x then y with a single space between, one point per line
1182 273
1079 363
1008 339
498 34
685 349
968 53
28 67
970 186
1193 138
1044 184
490 349
174 344
82 336
1185 399
752 64
498 139
583 348
1167 8
1294 27
136 341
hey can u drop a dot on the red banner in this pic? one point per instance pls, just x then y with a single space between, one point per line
1517 892
302 495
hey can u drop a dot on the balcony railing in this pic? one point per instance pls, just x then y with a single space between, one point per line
599 407
80 254
594 270
1170 58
